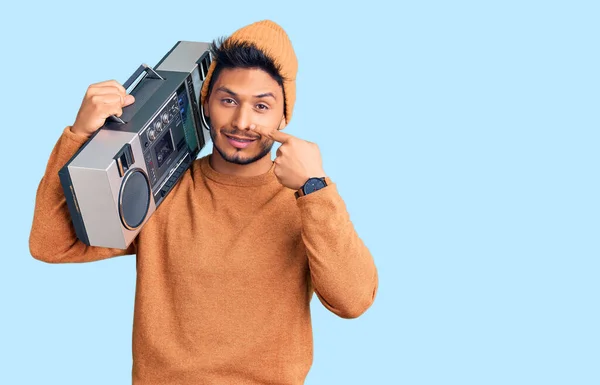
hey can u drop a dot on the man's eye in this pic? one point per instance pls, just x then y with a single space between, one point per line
228 101
261 106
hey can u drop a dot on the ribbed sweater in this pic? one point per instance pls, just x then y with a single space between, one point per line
226 269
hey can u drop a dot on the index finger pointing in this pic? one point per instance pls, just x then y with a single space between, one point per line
270 133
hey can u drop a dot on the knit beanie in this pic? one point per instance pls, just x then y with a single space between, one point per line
273 41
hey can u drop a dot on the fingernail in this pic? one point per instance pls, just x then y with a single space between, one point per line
252 126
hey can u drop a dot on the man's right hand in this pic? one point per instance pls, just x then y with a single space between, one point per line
100 101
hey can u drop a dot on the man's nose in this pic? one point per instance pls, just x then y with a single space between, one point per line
242 118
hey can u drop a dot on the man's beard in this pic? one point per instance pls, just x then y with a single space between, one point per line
238 157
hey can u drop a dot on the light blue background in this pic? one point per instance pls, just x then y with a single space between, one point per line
463 137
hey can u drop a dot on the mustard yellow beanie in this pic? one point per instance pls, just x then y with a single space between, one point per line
274 42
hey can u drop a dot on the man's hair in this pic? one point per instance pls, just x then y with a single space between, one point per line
240 54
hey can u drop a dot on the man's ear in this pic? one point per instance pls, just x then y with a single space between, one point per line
205 108
282 124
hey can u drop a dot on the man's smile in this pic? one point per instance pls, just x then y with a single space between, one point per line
239 142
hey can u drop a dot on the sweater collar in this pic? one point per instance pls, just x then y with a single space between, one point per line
235 180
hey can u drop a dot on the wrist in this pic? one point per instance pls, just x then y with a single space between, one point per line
78 132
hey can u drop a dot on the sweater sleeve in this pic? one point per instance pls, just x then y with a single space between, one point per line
53 238
342 270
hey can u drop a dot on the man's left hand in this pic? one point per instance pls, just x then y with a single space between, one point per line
297 160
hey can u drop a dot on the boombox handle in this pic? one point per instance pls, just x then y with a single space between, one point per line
134 80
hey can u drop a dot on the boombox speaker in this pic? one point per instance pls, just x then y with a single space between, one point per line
124 171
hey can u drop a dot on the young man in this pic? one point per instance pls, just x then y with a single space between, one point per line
228 263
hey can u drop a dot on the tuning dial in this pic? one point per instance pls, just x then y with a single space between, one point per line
165 117
158 126
151 134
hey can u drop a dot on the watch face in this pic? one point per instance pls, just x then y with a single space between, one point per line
313 184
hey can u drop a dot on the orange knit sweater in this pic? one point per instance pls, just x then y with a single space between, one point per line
226 268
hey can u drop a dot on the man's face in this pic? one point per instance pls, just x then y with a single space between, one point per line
241 97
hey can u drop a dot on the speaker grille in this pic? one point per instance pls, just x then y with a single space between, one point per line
134 198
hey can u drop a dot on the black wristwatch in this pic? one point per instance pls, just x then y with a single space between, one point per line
311 185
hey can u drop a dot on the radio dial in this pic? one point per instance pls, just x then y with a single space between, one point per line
158 126
151 134
165 118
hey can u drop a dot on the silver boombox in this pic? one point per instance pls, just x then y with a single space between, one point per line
120 176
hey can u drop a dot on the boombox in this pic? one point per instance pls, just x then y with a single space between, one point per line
122 173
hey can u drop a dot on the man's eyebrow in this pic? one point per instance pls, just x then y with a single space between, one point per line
266 94
227 90
230 92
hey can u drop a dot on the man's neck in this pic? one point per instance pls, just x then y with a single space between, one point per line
256 168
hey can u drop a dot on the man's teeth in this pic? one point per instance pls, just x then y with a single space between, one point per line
242 140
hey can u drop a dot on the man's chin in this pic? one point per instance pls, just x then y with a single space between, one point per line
239 157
